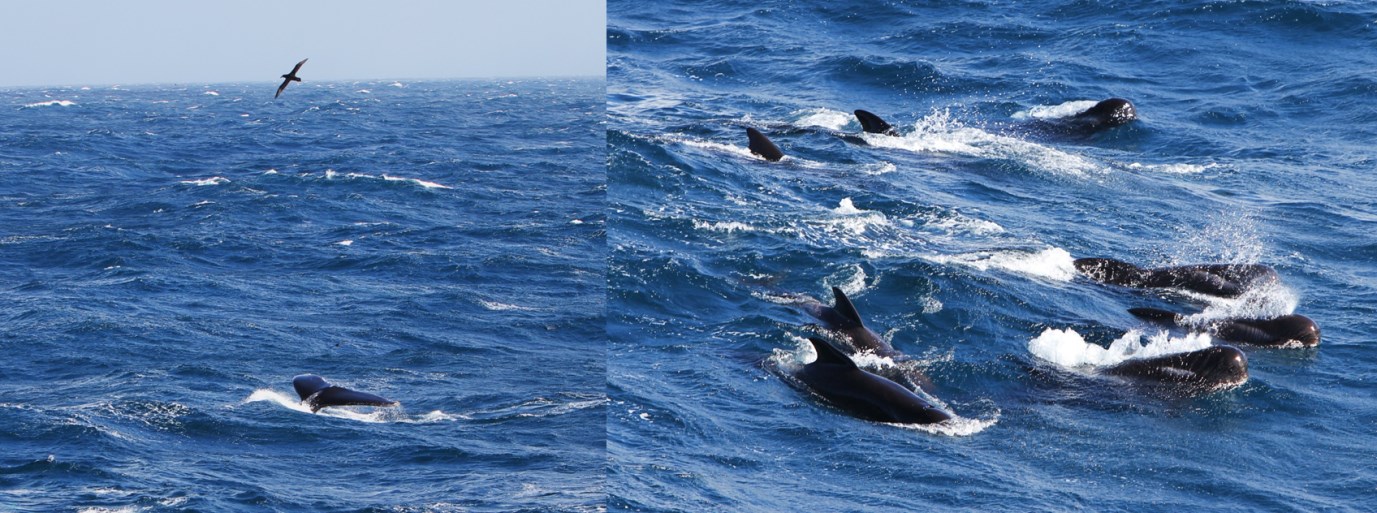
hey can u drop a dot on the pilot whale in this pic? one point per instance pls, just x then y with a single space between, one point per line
1286 330
843 318
836 378
317 394
1211 368
1104 114
1223 280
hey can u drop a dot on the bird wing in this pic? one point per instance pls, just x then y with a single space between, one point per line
298 66
281 87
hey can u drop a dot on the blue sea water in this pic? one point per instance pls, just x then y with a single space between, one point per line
955 241
173 255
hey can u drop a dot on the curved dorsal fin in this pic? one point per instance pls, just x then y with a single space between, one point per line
761 145
827 353
873 124
845 308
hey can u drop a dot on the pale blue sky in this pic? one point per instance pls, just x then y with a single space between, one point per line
76 42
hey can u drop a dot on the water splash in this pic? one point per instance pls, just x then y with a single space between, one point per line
1068 349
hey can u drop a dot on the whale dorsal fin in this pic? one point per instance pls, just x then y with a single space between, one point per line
828 353
873 124
846 309
761 145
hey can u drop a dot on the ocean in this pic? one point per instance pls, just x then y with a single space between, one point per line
173 255
955 240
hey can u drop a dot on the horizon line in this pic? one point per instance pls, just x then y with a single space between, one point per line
602 77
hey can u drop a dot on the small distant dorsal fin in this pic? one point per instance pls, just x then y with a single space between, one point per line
845 308
828 353
761 145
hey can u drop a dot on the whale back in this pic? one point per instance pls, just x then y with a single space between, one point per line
307 385
1108 113
1108 270
837 379
1210 368
1156 315
1284 330
319 394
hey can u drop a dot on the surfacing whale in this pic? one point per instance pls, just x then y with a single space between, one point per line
1105 114
836 378
1211 368
872 124
843 318
1223 280
761 145
1286 330
317 394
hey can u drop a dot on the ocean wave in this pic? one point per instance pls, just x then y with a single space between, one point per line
1055 264
1064 110
214 180
938 132
51 103
331 174
367 414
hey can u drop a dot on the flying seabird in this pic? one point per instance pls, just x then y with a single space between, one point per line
288 78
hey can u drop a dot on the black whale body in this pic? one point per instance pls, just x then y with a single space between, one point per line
836 378
1210 368
843 318
1285 330
1104 114
1223 280
317 393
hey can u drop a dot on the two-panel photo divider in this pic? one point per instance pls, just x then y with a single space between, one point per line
662 257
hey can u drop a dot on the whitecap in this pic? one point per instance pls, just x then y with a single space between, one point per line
368 414
823 118
1174 169
214 180
1052 263
52 103
1068 349
1064 110
422 183
939 133
723 226
502 307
